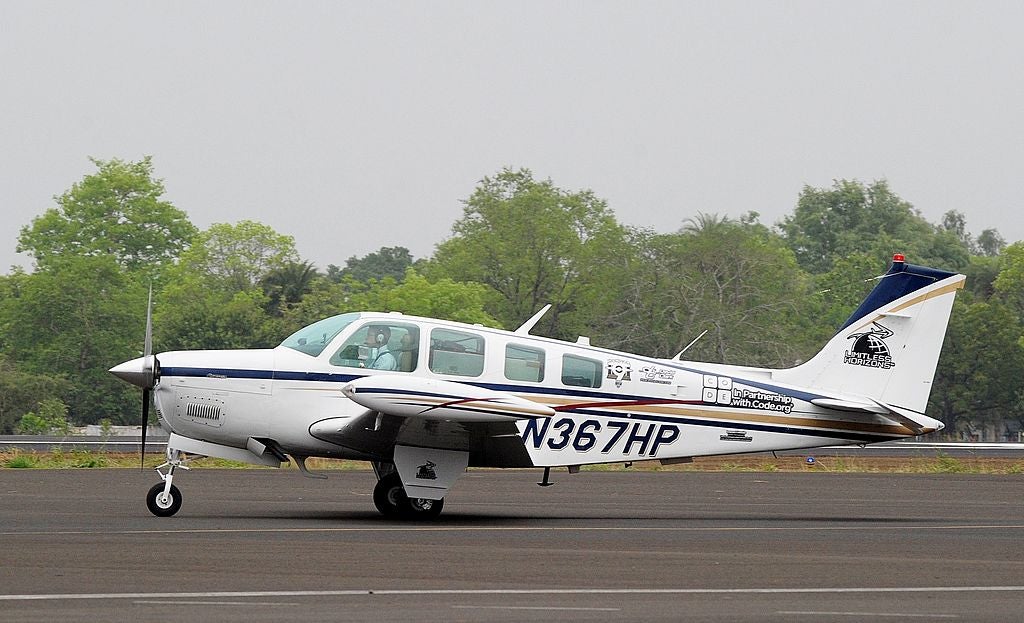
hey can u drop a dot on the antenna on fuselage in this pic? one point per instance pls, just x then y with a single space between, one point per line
679 355
524 329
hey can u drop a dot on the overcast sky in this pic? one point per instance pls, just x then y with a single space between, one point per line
352 126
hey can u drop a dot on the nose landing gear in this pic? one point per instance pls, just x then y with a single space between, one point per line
164 499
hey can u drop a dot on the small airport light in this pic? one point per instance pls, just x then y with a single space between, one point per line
810 461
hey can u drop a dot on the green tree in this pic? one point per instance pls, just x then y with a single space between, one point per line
735 279
414 295
852 217
978 376
1010 282
21 392
70 320
534 244
117 211
385 262
287 285
52 418
989 243
214 297
236 258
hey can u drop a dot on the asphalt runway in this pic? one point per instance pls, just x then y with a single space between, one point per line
265 545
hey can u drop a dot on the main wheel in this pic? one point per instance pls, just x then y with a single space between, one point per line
389 495
390 499
160 505
422 509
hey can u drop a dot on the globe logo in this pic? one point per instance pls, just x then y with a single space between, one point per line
869 348
871 344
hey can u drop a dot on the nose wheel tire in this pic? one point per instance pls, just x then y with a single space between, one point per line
390 499
161 505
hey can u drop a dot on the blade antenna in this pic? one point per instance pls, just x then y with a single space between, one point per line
524 329
680 353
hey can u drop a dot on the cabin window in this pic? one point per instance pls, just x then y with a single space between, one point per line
580 371
380 345
523 363
456 352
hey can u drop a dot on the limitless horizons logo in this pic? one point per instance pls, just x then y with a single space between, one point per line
870 349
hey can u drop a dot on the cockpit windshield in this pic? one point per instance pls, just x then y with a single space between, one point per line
314 338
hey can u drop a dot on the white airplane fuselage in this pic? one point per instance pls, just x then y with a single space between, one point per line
422 398
641 408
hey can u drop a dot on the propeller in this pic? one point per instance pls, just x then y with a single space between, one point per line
149 375
142 372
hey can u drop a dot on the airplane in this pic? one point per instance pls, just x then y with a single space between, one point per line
423 399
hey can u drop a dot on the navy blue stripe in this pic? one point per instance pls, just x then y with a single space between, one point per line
344 378
230 373
900 280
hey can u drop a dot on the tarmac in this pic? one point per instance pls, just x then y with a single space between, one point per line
266 545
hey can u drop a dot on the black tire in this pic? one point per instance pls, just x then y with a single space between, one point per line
422 509
390 499
167 507
389 495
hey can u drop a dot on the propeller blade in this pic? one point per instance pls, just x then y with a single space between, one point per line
148 348
146 396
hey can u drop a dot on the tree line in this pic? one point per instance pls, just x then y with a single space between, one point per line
760 295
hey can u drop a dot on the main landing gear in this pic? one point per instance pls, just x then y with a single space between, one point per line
164 499
390 499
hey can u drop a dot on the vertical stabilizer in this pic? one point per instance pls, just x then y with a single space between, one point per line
889 348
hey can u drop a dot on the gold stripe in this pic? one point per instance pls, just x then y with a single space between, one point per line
742 417
952 287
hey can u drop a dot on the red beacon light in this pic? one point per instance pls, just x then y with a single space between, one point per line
898 258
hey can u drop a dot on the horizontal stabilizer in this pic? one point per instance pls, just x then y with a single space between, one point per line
916 422
849 405
407 396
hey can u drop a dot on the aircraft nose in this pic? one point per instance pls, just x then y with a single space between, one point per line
134 372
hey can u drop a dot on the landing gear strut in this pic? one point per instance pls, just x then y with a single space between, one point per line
390 499
164 499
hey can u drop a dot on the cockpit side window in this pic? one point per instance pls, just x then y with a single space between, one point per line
456 352
380 345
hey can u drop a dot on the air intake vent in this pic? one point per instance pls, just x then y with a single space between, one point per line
203 411
199 408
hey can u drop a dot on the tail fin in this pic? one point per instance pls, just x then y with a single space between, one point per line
888 349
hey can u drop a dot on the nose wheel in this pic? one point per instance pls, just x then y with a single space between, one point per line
163 503
164 499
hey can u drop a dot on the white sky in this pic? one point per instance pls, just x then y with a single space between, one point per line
356 125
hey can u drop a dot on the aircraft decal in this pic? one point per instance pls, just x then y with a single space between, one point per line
736 435
642 439
869 348
656 374
426 471
618 370
763 401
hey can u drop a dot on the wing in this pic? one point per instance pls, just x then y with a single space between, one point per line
410 411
